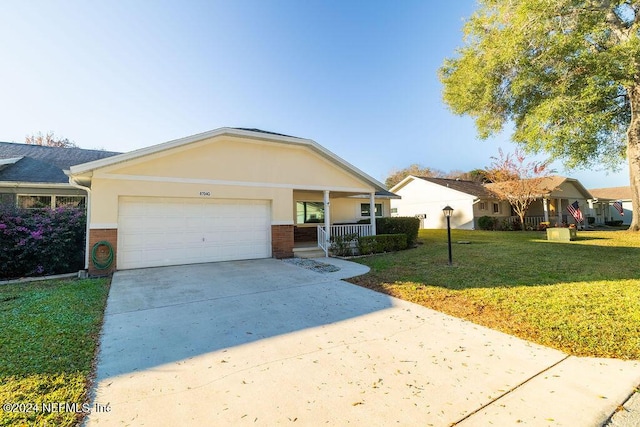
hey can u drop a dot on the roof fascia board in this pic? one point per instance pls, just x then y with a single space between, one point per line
407 179
377 196
20 184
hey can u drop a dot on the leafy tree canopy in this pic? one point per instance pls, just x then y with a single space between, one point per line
564 73
415 169
517 180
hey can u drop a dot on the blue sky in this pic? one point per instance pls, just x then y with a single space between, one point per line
358 77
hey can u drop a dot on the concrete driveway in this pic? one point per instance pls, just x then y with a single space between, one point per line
266 342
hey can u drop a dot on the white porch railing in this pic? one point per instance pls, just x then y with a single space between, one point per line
343 230
534 221
324 240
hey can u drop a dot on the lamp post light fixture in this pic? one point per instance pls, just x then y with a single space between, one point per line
448 211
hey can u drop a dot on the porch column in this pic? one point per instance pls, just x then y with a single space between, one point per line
372 211
559 209
327 218
545 208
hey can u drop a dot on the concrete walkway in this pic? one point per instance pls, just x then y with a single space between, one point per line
265 342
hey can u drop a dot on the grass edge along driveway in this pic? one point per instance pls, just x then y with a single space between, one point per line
48 340
580 297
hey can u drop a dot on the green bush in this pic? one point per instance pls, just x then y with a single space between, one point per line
381 243
408 226
486 223
508 225
41 242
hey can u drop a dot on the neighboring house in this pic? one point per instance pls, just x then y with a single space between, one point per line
556 193
226 194
32 176
425 197
603 200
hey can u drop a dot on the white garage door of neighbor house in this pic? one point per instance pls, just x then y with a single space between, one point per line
155 232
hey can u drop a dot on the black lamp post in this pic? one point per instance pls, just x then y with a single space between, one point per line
448 211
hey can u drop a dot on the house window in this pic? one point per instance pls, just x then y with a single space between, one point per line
34 202
69 201
43 202
496 208
309 212
483 206
365 209
394 210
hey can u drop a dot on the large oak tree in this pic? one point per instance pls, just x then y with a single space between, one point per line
564 73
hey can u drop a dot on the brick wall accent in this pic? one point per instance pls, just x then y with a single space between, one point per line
282 241
305 234
99 234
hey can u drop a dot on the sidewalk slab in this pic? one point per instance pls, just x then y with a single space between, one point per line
628 415
579 391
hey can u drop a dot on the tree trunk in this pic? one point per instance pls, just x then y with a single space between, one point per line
522 227
633 155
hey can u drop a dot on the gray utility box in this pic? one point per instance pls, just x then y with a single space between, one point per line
561 234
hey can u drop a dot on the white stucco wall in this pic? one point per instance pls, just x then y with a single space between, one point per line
421 197
627 208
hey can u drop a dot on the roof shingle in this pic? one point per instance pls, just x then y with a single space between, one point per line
469 187
612 193
43 164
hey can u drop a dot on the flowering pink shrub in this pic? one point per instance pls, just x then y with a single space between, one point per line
40 242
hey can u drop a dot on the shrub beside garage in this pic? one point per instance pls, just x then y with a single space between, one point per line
392 234
408 226
381 243
41 242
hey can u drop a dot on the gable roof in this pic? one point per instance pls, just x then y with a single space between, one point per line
256 134
472 188
548 185
612 193
492 190
42 164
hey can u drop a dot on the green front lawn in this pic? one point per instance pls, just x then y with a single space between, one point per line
48 339
581 297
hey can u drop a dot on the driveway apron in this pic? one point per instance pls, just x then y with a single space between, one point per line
266 342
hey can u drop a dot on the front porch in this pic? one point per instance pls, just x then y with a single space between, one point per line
320 245
553 210
321 217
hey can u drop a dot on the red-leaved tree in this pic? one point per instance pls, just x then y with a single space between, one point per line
518 181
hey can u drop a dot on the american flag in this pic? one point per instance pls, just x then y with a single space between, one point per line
618 205
574 210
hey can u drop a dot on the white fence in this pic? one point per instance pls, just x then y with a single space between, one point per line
324 240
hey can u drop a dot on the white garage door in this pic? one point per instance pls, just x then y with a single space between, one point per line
172 231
